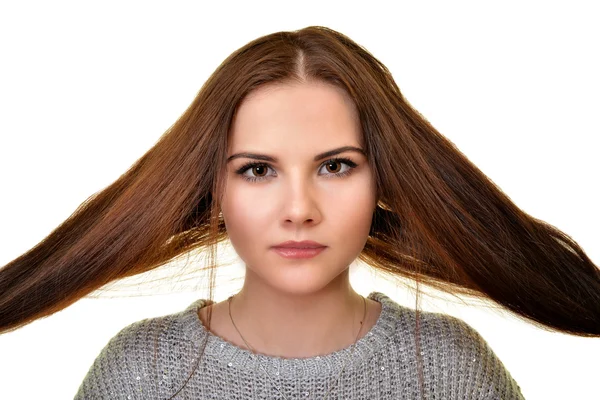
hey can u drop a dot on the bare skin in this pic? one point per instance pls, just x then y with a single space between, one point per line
222 327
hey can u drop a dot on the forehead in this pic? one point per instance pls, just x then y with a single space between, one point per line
296 116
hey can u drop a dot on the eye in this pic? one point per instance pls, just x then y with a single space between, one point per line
262 168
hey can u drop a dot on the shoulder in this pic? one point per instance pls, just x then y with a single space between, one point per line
438 331
139 357
125 363
457 361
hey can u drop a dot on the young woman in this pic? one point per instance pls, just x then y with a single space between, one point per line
301 150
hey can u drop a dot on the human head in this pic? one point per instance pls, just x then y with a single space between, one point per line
298 198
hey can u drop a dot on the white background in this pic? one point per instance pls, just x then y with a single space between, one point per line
87 87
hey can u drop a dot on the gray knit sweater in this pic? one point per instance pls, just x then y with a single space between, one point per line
153 358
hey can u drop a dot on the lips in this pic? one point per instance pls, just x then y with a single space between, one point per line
304 244
296 253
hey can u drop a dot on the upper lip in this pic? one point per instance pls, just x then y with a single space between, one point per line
305 244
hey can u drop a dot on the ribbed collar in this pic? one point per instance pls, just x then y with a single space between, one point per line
232 356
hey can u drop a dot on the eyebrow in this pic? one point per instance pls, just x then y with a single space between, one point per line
329 153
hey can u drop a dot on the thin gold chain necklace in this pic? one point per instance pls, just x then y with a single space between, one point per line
269 376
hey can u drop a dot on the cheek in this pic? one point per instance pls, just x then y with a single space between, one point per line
247 218
351 214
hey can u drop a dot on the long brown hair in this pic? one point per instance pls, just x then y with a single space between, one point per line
440 221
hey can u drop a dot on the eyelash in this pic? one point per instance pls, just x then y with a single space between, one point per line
341 160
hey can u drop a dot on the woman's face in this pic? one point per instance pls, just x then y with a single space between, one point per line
297 197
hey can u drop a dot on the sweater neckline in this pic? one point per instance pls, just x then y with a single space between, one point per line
232 356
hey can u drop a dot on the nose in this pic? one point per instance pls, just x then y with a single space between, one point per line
301 202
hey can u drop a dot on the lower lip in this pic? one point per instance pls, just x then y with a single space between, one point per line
290 252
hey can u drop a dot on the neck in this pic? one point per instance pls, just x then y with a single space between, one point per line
280 324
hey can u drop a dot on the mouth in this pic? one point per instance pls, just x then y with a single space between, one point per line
298 253
304 244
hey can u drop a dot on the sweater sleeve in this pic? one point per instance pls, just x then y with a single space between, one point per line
479 373
123 367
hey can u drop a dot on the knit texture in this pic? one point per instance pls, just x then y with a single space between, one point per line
153 358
